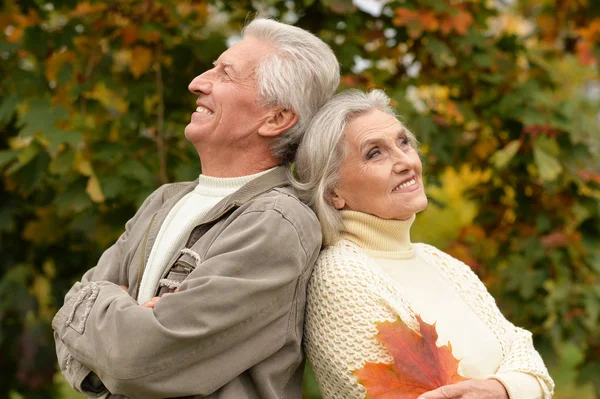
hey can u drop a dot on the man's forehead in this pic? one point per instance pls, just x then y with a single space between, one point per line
247 50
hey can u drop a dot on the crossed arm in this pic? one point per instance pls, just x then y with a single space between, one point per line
230 313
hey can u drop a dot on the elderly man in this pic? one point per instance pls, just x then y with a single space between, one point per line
237 245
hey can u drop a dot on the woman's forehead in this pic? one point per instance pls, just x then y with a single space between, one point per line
373 124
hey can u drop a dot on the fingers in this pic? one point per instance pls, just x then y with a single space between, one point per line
125 288
445 392
151 303
469 389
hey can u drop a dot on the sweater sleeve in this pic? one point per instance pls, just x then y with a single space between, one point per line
522 371
343 309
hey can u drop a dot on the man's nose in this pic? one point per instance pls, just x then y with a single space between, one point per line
201 84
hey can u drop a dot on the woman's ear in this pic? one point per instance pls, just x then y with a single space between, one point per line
278 122
337 201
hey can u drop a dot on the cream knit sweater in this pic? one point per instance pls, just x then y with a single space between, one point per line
376 274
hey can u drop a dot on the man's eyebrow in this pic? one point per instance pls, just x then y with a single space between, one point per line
224 63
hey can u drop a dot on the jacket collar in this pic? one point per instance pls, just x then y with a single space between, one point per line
276 178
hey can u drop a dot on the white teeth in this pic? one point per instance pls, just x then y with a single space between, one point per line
404 185
203 110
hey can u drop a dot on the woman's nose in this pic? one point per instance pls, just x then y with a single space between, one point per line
401 161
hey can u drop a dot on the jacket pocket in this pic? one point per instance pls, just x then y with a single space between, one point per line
183 266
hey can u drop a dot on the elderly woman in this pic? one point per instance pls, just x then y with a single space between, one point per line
359 168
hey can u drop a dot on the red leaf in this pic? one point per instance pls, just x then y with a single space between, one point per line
419 364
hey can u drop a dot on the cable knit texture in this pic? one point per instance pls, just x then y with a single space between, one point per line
349 293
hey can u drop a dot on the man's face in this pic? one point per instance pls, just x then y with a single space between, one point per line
228 113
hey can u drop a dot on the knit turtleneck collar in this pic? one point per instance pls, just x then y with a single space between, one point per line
378 236
224 186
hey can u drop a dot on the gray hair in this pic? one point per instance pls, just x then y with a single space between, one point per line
302 74
322 151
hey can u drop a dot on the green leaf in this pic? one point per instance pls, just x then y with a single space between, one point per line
7 108
30 175
57 137
113 186
8 156
41 117
482 60
439 51
62 163
502 157
547 165
25 156
137 171
549 145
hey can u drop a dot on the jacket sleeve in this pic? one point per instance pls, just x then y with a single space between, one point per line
522 371
109 268
233 311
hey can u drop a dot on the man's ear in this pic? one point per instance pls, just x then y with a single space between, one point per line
337 201
278 122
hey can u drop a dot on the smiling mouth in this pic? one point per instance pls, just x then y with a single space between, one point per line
409 183
203 110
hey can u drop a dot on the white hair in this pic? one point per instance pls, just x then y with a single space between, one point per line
322 151
301 75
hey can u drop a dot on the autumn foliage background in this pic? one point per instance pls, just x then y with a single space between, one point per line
503 95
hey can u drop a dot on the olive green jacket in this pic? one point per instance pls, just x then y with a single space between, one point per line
233 330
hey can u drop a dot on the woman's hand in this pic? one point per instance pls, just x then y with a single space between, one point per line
469 389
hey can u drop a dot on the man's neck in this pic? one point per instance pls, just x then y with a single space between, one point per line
232 167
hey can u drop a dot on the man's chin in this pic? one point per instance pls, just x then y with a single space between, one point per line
192 133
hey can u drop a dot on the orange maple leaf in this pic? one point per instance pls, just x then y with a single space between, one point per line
419 364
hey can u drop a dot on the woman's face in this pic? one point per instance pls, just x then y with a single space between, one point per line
381 173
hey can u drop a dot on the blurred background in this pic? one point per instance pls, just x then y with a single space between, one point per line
503 95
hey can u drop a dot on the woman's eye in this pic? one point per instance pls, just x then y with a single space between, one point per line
373 153
404 142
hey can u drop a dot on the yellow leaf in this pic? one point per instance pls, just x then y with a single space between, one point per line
141 59
55 63
502 157
42 229
94 190
49 268
150 103
42 290
458 210
85 8
110 99
549 168
82 165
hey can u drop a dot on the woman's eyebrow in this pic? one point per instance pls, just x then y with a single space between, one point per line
378 140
